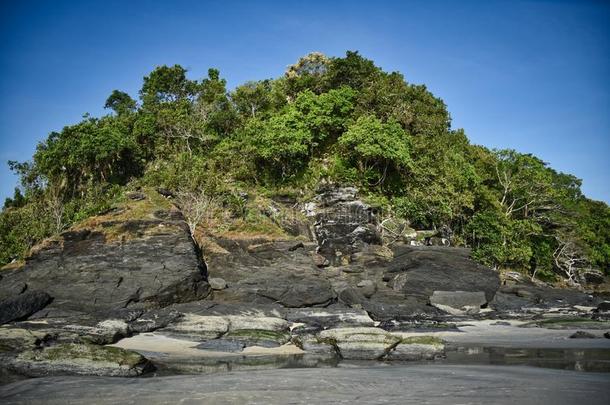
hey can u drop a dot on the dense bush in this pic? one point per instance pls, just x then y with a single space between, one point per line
338 119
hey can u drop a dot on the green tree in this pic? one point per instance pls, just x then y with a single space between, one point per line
120 102
376 147
167 84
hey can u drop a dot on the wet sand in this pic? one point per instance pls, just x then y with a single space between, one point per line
383 384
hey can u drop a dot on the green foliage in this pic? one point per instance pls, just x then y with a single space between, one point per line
120 102
95 150
21 228
353 71
339 119
167 84
308 73
376 147
18 200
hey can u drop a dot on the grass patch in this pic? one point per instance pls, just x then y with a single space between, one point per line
114 224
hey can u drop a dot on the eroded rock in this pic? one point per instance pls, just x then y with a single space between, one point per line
80 359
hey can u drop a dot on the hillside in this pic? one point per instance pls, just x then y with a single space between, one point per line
227 155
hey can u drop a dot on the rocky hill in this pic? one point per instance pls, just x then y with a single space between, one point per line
333 286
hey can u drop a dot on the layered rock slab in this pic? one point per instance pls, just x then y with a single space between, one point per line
114 264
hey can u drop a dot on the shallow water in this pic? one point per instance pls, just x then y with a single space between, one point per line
591 360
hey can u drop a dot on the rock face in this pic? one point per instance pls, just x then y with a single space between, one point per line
343 224
23 305
134 263
429 269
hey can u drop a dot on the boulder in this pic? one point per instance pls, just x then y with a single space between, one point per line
257 337
23 305
458 302
351 296
367 288
418 348
314 345
360 343
429 269
217 283
80 359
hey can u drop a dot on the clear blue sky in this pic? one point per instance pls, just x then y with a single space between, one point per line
528 75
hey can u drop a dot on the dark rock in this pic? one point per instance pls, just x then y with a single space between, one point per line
603 307
350 296
192 288
296 246
151 263
524 294
343 224
257 337
507 302
154 319
405 308
296 292
582 335
591 276
607 335
222 345
444 269
367 288
23 305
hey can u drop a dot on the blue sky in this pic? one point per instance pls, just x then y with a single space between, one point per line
528 75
